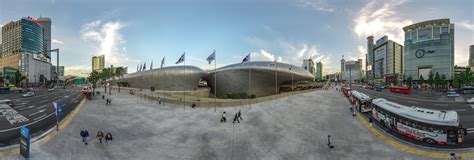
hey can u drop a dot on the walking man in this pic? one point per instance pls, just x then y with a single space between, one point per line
85 136
370 121
236 118
108 138
223 118
239 115
100 135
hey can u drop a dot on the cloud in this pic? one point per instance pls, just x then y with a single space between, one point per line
79 70
318 5
466 25
378 19
57 41
109 41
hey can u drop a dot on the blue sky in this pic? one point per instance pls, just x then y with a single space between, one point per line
134 32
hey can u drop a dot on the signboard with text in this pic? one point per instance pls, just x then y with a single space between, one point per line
25 142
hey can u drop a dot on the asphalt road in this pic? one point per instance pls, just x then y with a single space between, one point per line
465 111
37 112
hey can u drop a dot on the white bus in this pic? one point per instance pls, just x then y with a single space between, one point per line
362 101
430 126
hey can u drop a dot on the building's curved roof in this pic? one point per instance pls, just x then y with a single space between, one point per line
169 70
266 65
424 23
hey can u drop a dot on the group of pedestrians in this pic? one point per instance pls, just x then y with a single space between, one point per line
237 117
100 135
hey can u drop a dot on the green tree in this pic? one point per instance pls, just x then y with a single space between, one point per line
437 80
455 83
19 77
430 78
93 78
421 80
409 80
466 77
443 81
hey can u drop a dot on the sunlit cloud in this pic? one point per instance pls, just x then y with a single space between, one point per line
467 25
56 41
379 19
79 70
318 5
109 40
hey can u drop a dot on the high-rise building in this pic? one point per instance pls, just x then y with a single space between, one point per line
1 49
46 22
343 65
61 70
429 47
369 59
352 71
387 61
319 70
98 63
308 64
471 57
22 47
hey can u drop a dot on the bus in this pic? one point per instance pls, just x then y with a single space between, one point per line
421 124
399 89
363 101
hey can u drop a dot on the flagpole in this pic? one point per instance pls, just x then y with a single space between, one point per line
250 88
276 79
184 77
164 90
215 82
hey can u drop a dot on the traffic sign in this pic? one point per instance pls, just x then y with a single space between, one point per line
25 142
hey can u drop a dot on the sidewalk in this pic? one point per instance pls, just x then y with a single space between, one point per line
294 127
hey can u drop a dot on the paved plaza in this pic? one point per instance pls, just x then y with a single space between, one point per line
294 127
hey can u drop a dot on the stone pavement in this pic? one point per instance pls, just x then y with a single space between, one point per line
294 127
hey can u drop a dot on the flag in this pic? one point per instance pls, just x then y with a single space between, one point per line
181 59
141 66
211 57
151 65
144 67
246 59
291 67
137 67
162 62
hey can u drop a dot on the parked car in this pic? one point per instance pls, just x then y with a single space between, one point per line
51 89
452 94
378 89
29 94
470 100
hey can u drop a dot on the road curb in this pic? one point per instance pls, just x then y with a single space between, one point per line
50 134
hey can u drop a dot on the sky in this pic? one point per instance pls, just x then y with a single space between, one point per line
130 33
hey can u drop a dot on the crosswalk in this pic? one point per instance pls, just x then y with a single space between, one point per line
470 130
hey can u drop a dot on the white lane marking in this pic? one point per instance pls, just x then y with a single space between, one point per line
38 112
41 106
42 101
444 105
43 116
470 130
412 102
25 108
66 96
459 110
12 115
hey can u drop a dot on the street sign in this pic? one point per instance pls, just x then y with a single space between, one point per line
59 108
25 142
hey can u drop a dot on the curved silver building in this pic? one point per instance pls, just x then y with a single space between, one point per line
174 78
235 78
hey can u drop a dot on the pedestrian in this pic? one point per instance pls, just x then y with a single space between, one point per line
240 115
100 135
108 138
159 100
110 100
370 121
106 101
223 118
103 96
86 137
193 105
83 135
236 118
